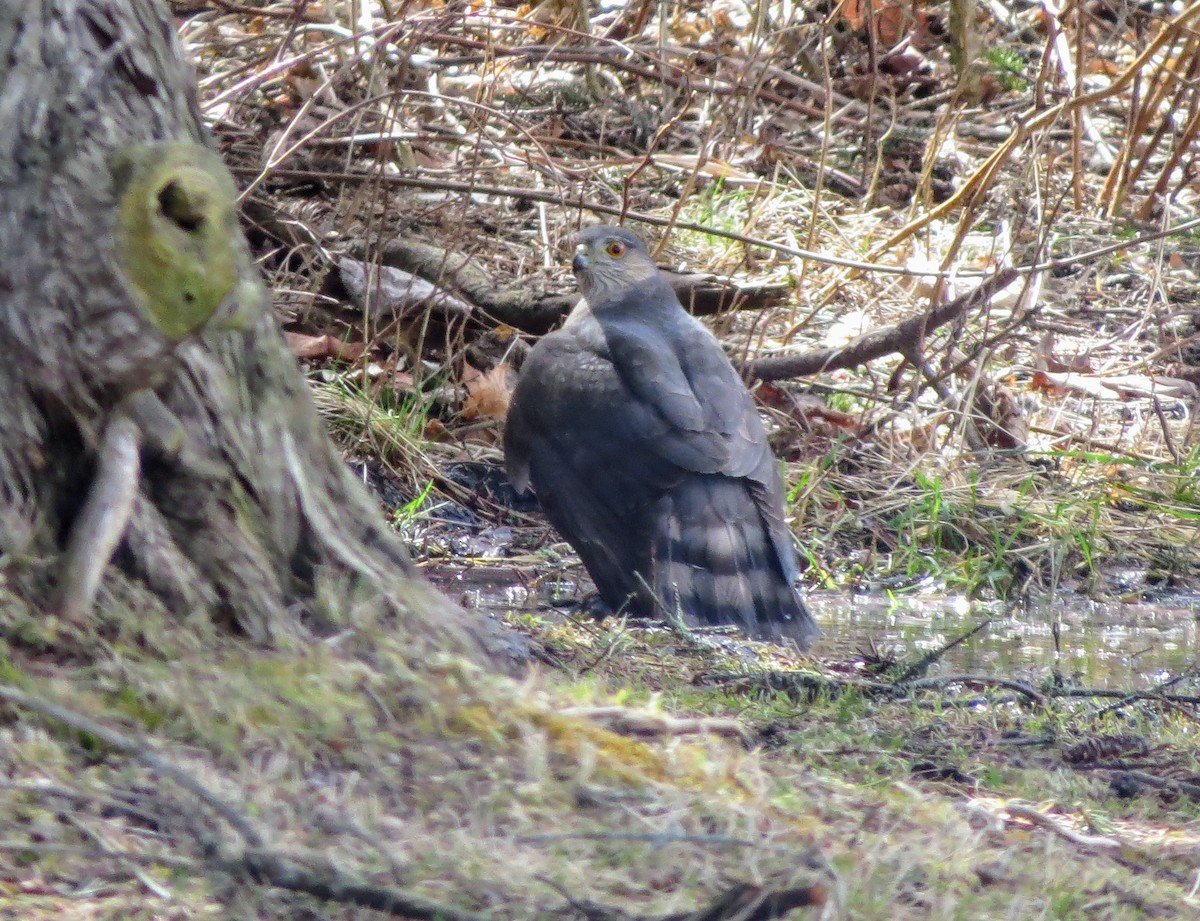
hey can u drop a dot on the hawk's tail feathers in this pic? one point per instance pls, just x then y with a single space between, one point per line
716 563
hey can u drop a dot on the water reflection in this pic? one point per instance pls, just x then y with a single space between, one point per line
1099 644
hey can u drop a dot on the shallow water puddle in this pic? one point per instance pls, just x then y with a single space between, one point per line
1100 644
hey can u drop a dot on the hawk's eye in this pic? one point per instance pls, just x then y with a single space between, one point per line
615 248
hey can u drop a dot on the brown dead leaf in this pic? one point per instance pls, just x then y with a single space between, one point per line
302 81
999 419
305 346
391 377
1042 382
903 60
721 21
888 19
811 409
488 393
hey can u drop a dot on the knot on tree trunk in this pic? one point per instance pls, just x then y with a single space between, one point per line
160 444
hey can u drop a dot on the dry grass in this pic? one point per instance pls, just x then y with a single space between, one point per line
494 796
734 144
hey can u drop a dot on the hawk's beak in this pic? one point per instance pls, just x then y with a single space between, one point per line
580 262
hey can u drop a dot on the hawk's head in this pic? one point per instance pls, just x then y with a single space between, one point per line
609 261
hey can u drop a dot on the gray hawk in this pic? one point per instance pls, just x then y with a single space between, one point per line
647 454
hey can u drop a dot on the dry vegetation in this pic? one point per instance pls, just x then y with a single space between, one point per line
817 172
827 178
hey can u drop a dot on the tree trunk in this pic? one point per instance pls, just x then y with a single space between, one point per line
252 520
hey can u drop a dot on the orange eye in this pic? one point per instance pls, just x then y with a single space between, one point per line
615 248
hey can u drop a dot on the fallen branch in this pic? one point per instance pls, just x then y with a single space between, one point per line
921 666
624 721
296 871
1020 687
518 306
811 685
1165 784
387 293
742 902
752 903
1108 845
286 871
525 309
900 338
798 683
1123 696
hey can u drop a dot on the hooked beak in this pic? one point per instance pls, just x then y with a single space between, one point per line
580 261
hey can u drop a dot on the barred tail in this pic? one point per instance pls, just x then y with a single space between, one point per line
717 562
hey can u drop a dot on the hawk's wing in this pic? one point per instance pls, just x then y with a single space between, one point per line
577 435
706 420
674 368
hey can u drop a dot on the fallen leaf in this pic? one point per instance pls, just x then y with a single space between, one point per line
999 419
488 393
903 60
891 21
305 346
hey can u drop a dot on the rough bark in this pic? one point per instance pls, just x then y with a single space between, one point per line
256 522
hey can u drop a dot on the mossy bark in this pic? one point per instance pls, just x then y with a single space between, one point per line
257 523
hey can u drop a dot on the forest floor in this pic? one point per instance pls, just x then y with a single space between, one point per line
413 173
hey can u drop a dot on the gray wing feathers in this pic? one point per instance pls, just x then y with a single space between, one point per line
707 420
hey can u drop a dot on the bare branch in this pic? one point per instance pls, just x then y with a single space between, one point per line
902 338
